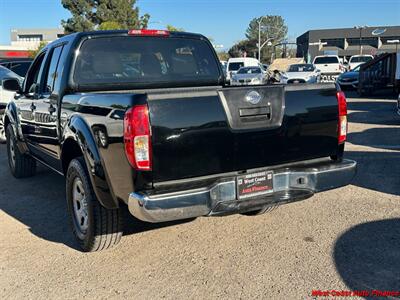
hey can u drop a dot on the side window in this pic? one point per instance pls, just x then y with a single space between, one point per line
51 73
32 81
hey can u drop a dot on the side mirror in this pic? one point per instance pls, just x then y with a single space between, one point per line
11 84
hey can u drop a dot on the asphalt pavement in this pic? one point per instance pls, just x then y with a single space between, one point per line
345 239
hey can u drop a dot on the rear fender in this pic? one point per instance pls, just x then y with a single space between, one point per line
78 130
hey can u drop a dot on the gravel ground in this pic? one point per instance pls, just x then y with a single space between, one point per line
345 239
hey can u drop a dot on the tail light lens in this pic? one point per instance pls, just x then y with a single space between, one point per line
137 137
342 123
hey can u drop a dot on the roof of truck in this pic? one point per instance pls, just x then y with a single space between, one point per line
79 35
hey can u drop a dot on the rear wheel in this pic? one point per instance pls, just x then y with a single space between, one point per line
21 165
262 211
95 227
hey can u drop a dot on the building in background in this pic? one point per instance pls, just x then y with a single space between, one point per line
346 42
23 40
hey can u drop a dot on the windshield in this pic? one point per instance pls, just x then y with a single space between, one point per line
249 70
326 60
6 73
358 59
145 62
234 66
356 69
301 68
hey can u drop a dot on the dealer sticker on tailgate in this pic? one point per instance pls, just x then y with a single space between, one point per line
255 184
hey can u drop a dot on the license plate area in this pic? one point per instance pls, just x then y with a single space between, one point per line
254 184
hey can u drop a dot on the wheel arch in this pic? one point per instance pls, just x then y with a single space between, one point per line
79 141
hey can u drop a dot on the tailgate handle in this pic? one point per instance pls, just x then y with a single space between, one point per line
255 112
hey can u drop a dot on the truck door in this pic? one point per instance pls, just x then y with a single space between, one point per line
46 111
41 131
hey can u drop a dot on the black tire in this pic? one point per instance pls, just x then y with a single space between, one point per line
21 165
95 227
262 211
2 130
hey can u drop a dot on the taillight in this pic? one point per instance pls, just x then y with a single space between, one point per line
342 123
148 32
137 137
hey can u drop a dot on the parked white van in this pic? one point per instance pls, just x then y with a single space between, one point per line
234 64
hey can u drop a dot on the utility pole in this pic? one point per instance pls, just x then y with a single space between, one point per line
259 38
360 28
268 41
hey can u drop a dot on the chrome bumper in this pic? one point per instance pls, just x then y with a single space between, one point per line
290 184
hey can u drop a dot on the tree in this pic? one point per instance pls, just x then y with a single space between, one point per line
243 48
102 14
272 27
173 28
33 53
223 55
109 25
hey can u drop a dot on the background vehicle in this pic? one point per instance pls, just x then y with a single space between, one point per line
170 141
5 97
330 67
301 73
249 76
234 64
357 60
18 65
349 79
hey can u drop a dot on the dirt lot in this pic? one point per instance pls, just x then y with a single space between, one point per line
346 239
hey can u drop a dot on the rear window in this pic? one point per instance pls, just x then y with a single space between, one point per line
234 66
249 70
358 59
145 62
301 68
326 60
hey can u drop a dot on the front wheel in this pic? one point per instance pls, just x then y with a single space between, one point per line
94 226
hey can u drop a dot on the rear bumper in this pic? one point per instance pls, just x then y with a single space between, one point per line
290 184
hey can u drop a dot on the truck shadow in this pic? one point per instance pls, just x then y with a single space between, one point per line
387 138
378 94
367 256
373 112
39 203
373 167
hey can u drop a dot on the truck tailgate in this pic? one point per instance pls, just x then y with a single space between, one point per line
205 131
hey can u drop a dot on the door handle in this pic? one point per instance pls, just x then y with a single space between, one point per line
33 107
52 109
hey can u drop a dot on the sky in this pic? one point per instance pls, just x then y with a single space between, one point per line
223 20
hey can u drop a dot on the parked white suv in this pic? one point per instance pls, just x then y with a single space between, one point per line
330 67
5 97
234 64
357 60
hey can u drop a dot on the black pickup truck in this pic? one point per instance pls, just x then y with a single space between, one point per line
143 118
